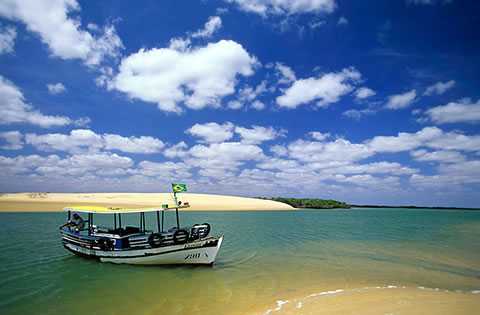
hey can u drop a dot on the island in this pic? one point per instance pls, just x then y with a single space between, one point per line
309 203
316 203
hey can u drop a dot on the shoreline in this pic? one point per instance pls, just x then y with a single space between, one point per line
55 202
353 206
387 299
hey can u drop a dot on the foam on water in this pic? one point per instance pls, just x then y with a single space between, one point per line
300 302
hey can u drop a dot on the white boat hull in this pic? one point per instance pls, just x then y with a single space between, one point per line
198 252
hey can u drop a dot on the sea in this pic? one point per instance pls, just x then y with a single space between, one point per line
353 261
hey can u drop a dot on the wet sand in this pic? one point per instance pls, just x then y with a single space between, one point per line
57 201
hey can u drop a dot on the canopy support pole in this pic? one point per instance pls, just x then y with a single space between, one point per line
115 220
120 220
158 221
90 219
163 218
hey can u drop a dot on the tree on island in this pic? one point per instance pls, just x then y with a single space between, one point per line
311 203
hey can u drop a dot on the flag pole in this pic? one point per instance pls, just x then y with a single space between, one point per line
176 188
176 208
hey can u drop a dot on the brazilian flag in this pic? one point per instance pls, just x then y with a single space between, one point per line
177 188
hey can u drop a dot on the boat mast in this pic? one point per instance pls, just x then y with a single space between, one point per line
176 209
176 188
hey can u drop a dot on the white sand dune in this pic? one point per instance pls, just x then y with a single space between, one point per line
57 201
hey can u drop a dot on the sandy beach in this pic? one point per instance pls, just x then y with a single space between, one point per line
57 201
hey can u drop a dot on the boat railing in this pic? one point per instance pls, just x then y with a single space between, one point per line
133 237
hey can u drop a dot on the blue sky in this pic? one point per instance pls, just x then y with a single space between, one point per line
306 98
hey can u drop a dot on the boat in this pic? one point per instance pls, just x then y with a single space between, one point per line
126 244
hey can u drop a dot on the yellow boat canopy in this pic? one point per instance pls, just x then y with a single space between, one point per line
113 210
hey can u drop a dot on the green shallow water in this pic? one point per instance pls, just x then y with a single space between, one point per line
266 256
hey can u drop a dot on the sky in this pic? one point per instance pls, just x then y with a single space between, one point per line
374 103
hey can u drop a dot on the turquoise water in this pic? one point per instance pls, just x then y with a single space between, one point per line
265 256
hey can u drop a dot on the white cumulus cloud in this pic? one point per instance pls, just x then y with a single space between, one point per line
258 134
78 141
319 136
439 88
198 77
248 95
52 20
213 24
357 114
178 150
337 151
14 109
383 167
285 73
429 137
266 7
324 89
13 140
223 157
399 101
363 93
85 140
56 88
455 112
258 105
171 170
79 167
212 132
438 156
142 144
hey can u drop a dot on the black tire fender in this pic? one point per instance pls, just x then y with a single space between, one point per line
208 229
155 240
180 236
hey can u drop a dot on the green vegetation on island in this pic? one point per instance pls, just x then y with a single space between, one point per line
311 203
315 203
